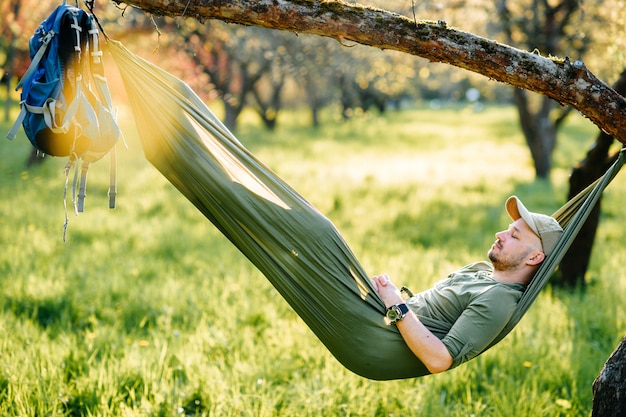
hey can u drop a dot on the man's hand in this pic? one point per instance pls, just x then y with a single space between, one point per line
387 290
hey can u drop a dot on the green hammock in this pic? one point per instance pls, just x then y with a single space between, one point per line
298 249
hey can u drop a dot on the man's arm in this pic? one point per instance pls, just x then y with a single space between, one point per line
422 342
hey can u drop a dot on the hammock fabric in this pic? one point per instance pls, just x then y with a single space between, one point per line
298 249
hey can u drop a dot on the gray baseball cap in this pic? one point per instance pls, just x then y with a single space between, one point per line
546 227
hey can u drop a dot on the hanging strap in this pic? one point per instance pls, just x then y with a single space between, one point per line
113 178
104 95
18 122
82 190
68 168
95 115
31 68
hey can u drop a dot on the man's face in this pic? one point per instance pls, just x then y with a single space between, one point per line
513 246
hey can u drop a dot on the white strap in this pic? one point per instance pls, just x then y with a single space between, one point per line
37 58
68 168
88 114
82 191
74 186
96 53
18 122
102 89
77 30
71 111
113 178
103 93
49 116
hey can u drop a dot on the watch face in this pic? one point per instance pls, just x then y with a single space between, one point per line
393 313
396 313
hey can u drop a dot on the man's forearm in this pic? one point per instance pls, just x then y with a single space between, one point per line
424 344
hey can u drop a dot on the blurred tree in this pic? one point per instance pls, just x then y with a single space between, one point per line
232 58
363 81
548 28
315 60
242 64
268 92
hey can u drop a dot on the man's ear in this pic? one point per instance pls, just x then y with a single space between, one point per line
536 257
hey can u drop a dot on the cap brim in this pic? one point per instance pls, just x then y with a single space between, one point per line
516 210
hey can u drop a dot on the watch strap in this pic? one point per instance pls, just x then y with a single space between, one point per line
396 312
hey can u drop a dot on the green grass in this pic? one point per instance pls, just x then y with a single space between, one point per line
147 310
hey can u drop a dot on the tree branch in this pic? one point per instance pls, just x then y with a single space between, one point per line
569 83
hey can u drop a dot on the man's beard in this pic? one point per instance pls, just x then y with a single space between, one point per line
502 262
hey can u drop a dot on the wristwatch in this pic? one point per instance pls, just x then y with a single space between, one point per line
396 312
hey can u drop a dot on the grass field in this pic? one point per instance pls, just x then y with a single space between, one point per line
147 310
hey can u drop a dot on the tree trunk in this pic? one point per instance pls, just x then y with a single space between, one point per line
315 116
573 266
269 108
609 388
539 131
231 114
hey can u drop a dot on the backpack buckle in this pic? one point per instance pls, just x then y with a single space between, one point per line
46 39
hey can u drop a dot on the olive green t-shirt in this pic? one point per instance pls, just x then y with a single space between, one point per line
467 310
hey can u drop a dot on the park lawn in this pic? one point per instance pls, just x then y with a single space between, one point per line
147 310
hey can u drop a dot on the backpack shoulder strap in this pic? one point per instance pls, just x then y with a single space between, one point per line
45 41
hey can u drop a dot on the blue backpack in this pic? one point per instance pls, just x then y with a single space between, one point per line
60 112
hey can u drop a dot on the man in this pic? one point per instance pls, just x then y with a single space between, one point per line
456 319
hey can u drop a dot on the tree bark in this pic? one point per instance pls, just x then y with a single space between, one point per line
573 266
568 82
609 388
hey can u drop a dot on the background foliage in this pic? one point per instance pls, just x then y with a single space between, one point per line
148 310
